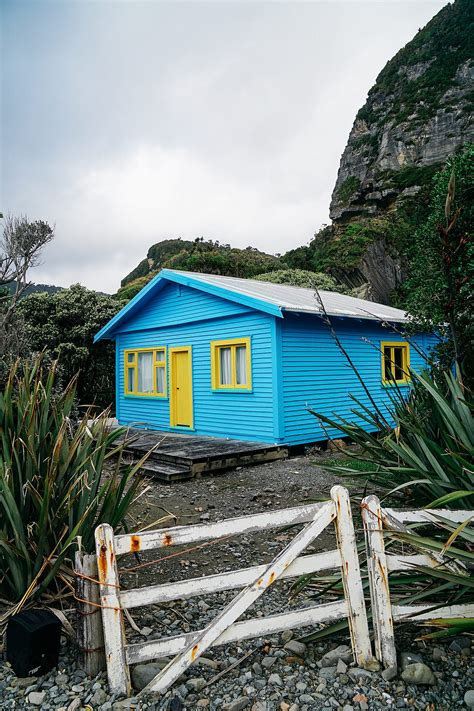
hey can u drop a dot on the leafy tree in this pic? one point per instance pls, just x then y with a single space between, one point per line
304 278
20 249
439 288
63 325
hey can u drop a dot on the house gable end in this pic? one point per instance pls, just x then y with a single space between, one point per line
176 304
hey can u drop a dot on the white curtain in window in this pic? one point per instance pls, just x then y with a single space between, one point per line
130 383
145 372
225 366
241 364
160 380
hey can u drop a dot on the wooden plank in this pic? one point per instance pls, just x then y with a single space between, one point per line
248 629
153 594
351 578
89 633
382 618
242 601
419 613
112 617
428 515
391 521
180 535
408 562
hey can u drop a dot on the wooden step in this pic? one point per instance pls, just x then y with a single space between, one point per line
167 471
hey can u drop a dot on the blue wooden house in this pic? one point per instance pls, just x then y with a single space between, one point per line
246 359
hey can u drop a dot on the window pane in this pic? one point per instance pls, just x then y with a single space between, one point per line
145 372
160 356
130 383
241 365
387 354
398 367
160 380
225 366
130 357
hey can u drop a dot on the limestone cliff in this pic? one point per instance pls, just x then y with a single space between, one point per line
418 113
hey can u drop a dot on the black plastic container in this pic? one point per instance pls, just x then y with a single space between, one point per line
33 640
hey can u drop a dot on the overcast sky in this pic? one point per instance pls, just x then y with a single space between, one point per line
124 123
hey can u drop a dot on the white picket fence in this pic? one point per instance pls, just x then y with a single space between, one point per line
253 581
380 563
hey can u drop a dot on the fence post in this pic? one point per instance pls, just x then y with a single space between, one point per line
351 577
90 636
112 615
378 581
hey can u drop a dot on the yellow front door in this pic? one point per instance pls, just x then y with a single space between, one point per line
181 387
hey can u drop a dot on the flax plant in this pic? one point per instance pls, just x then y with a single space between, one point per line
59 478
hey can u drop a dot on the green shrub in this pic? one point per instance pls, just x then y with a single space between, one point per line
429 450
348 188
52 487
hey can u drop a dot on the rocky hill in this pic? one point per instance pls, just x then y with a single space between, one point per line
418 113
199 255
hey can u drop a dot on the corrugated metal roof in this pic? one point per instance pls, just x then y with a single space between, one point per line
299 299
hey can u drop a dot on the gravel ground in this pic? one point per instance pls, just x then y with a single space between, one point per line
278 673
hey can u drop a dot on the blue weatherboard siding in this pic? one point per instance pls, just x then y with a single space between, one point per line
177 304
316 374
244 415
296 364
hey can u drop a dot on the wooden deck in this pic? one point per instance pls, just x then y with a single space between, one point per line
182 456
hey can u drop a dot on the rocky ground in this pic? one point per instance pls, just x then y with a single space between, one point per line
278 673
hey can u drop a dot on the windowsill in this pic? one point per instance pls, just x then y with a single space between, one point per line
182 428
232 390
403 384
146 397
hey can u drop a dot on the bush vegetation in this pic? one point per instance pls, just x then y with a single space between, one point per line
59 478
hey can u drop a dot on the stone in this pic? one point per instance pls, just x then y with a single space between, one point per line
294 660
209 663
275 680
36 698
75 704
237 705
438 654
331 658
268 662
327 673
294 707
196 683
418 673
298 648
469 698
142 674
203 703
390 673
459 644
341 667
22 682
146 631
260 706
407 658
286 635
284 706
99 697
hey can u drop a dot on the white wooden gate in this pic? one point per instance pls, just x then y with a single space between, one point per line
380 564
254 580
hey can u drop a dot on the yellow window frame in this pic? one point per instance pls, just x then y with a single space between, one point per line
233 344
133 366
405 361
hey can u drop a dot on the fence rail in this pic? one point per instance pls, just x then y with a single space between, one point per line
252 581
380 563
